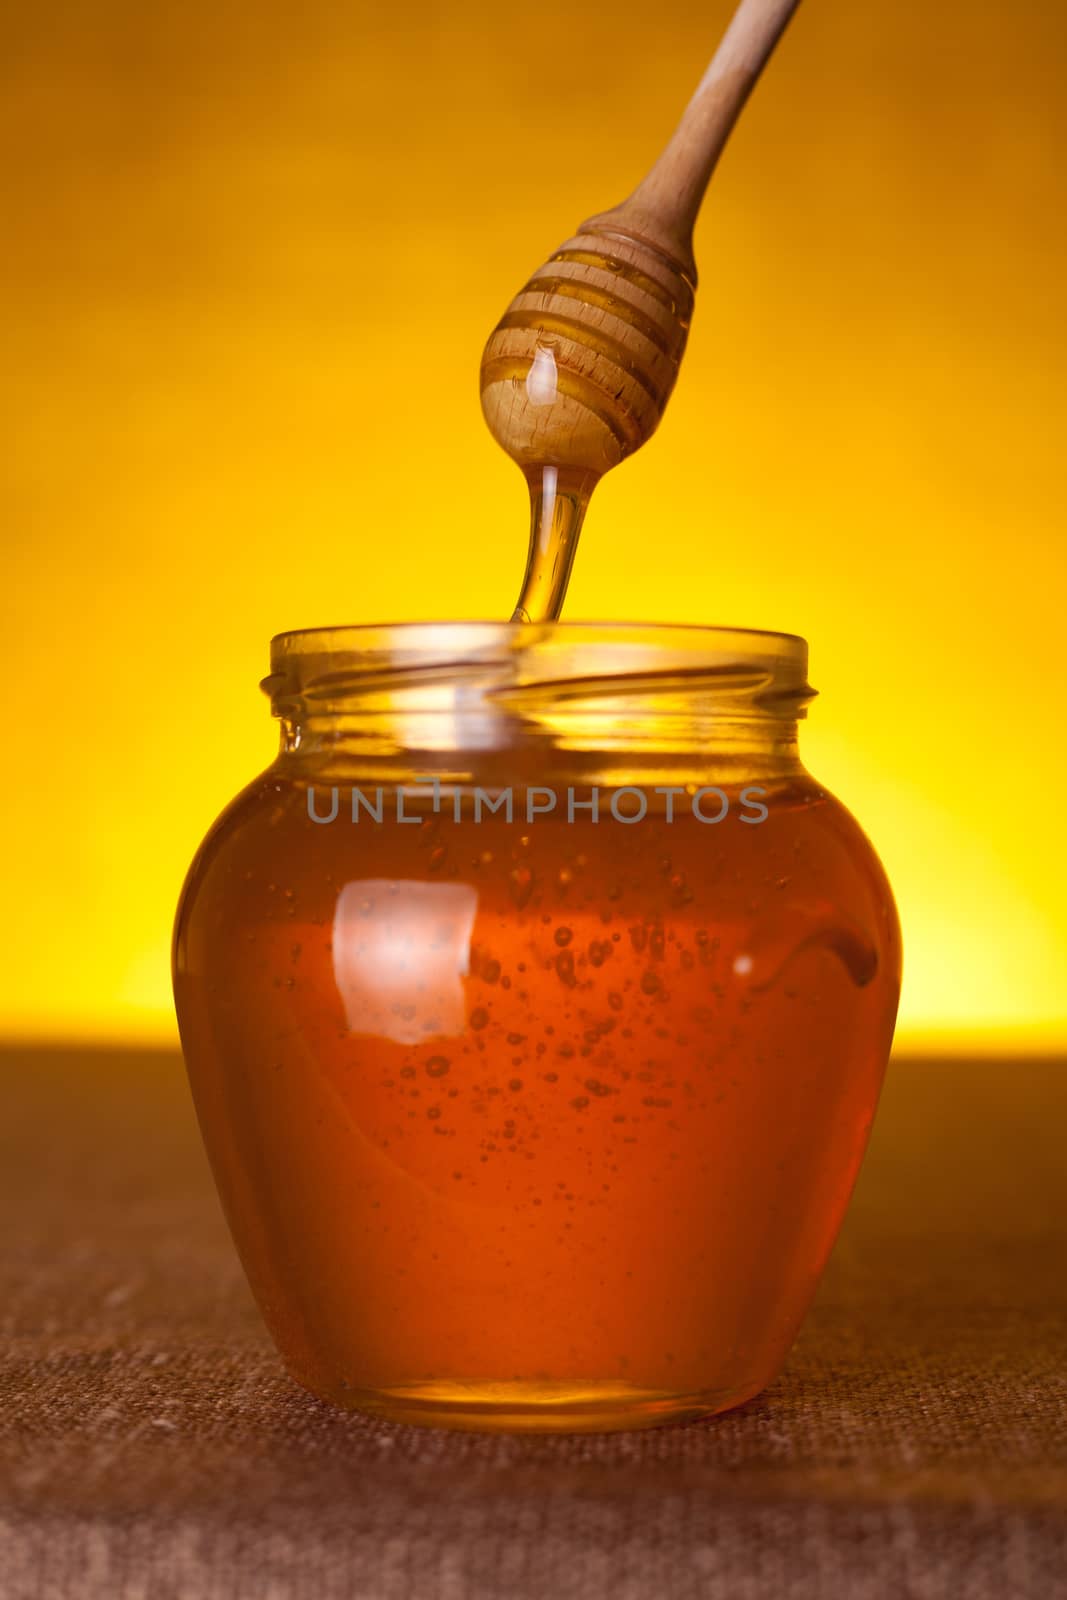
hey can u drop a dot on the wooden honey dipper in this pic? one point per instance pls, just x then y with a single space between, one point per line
578 371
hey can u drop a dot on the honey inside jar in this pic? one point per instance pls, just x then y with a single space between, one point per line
545 1120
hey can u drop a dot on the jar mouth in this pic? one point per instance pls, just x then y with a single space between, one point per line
481 628
588 686
565 659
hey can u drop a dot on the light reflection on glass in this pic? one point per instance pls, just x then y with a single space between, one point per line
401 951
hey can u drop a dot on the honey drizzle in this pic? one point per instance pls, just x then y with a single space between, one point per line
558 502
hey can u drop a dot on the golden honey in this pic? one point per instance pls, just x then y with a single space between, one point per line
536 1003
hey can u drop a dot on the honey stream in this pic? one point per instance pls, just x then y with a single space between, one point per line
559 499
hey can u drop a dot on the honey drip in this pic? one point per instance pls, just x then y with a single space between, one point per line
559 498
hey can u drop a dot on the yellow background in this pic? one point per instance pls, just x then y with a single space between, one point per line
252 253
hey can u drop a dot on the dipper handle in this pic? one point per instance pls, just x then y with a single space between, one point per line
665 204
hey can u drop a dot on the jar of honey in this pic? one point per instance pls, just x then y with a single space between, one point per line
536 1002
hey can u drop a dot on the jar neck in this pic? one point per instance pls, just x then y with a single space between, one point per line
473 747
464 698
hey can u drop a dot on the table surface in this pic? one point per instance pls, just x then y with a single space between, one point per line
151 1445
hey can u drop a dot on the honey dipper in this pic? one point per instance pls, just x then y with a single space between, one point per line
579 369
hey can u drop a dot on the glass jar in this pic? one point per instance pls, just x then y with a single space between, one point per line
536 1003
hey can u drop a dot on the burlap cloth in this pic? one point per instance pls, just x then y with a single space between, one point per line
151 1445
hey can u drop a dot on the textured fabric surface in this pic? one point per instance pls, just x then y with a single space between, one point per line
150 1445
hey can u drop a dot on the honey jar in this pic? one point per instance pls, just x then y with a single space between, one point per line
536 1002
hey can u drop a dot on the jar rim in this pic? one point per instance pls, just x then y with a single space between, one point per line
438 665
301 639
